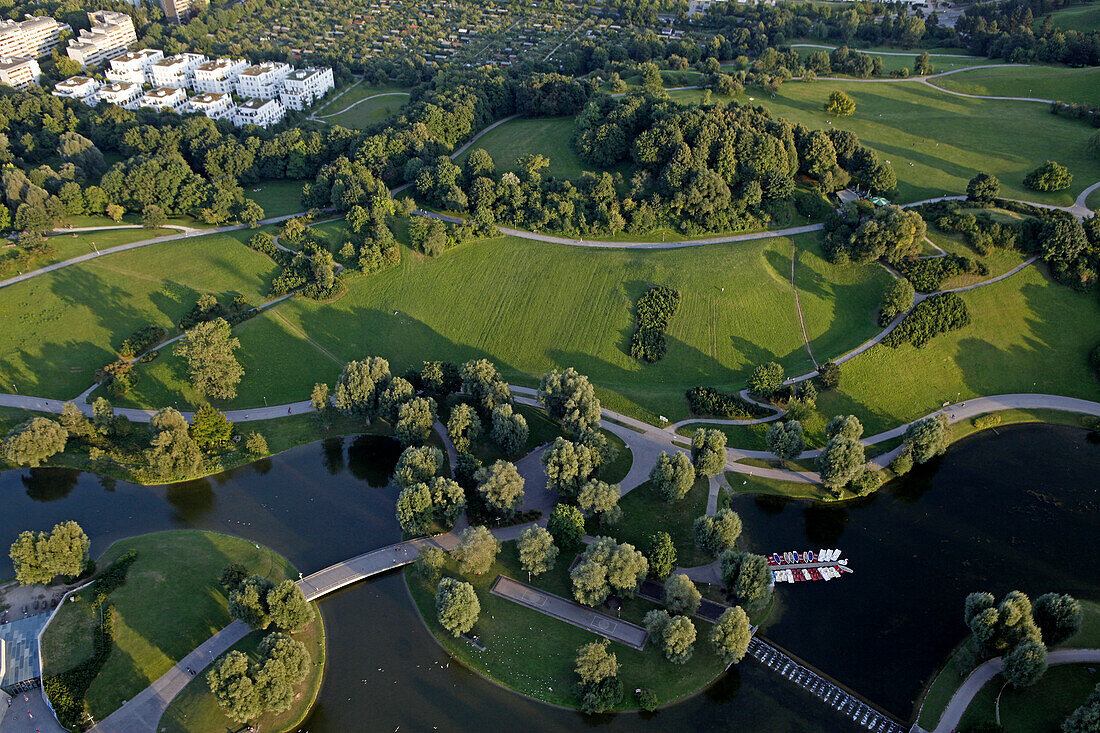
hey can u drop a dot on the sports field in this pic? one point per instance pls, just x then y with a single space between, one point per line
1028 335
546 135
62 326
532 307
1044 82
937 142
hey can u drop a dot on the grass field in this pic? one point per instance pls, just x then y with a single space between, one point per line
546 135
645 511
354 94
171 602
532 307
196 711
940 62
64 325
66 246
387 100
534 654
1045 82
1082 18
1027 335
946 139
278 198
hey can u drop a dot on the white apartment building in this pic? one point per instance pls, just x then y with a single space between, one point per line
34 37
123 93
302 87
262 112
135 67
80 88
176 71
172 98
212 104
263 81
19 72
218 76
110 34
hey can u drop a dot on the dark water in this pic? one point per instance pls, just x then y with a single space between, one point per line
1018 510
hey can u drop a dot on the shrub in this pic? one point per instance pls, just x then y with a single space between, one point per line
256 445
1050 176
939 314
141 341
902 463
983 422
867 482
840 104
652 314
647 699
711 402
828 376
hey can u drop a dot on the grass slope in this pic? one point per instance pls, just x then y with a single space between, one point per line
171 602
1082 18
546 135
376 108
62 326
532 307
1046 82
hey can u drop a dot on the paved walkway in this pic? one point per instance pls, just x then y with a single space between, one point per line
570 612
973 684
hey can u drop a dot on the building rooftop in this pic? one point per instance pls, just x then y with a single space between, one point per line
255 103
207 98
14 62
218 64
135 55
161 92
118 86
302 74
73 81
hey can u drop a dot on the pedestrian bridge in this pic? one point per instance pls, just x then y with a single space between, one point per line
361 567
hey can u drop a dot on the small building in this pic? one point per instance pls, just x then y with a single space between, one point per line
302 87
212 104
135 67
263 81
81 88
122 93
19 71
218 76
162 98
260 112
176 71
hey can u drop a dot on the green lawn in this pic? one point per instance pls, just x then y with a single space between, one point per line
195 710
947 139
645 511
370 110
66 246
546 135
532 307
1082 18
534 654
278 198
1028 335
62 326
171 602
1046 82
354 94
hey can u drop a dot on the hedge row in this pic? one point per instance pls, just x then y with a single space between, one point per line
929 273
652 315
142 340
708 401
939 314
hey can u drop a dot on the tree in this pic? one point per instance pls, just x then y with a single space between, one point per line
1025 664
232 576
601 500
840 104
501 486
1050 176
74 421
414 420
319 399
927 437
417 465
1058 617
718 531
248 601
463 427
360 385
785 440
829 375
208 350
566 526
662 555
153 216
708 451
1062 239
173 452
289 653
256 445
983 188
675 635
607 566
844 426
595 663
33 441
210 429
484 384
414 509
997 629
568 466
396 394
672 475
1085 719
288 608
897 298
571 399
681 595
747 576
509 430
440 379
429 563
766 379
476 550
840 461
537 551
922 66
730 636
456 605
115 212
448 499
231 682
38 558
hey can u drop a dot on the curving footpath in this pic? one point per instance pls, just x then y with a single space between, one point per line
356 104
973 684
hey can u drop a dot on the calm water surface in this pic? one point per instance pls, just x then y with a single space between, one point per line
998 512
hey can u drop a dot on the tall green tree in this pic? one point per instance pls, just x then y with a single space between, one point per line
785 440
208 348
569 466
39 557
476 550
662 555
509 430
33 441
681 595
718 531
457 606
571 399
672 475
288 608
463 427
566 526
708 451
601 500
731 635
501 486
360 385
537 551
417 464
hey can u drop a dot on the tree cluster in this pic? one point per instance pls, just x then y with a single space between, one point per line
39 557
246 689
651 316
608 567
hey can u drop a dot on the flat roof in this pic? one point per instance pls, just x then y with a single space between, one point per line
74 81
207 98
163 92
254 103
118 86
